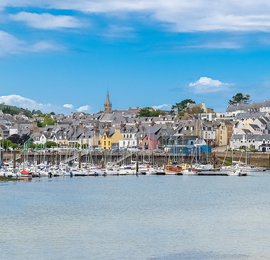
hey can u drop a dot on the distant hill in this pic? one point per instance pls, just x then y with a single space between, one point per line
13 110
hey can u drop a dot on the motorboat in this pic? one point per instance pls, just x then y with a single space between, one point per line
127 170
190 171
237 171
173 169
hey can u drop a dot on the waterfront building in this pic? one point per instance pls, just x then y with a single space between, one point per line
259 142
224 133
110 139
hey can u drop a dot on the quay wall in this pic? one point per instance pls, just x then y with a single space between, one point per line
101 158
256 159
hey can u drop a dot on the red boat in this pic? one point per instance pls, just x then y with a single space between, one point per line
26 174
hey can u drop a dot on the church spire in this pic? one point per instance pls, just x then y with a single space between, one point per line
108 98
108 105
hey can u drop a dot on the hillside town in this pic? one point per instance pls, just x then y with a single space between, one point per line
242 125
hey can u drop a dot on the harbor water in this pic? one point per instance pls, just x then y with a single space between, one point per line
129 217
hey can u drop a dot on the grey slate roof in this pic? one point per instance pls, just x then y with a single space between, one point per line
246 107
246 131
195 105
247 115
254 127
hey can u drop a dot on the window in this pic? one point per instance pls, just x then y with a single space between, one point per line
109 143
104 143
104 137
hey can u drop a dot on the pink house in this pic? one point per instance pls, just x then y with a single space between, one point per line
150 140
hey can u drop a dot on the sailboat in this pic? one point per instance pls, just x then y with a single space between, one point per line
25 173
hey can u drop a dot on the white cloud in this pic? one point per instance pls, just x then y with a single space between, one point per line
207 85
217 45
83 108
46 21
19 101
68 106
182 15
115 31
160 106
11 45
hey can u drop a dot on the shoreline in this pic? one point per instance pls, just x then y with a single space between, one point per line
7 179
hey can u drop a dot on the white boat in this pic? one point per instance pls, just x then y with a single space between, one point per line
127 170
189 171
237 171
110 171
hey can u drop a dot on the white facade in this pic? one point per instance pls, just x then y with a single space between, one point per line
13 131
234 113
130 140
209 135
40 139
251 141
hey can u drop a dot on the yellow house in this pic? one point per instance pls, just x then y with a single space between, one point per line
224 133
110 139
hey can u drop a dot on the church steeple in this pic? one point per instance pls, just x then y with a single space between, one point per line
108 98
107 105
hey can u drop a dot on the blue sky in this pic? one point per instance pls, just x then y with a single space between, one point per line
63 55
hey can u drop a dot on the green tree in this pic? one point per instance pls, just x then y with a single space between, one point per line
5 143
182 105
49 144
48 120
74 145
39 124
27 112
157 112
15 138
195 111
52 113
239 98
13 146
145 112
150 112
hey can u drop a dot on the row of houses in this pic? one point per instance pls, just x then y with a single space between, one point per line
115 129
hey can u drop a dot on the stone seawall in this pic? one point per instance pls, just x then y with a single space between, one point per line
256 159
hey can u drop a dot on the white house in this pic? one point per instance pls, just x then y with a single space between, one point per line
260 142
130 135
39 138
